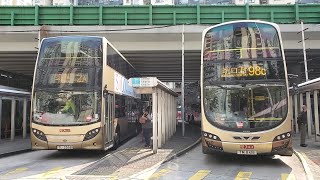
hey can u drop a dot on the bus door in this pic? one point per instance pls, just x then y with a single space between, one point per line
109 117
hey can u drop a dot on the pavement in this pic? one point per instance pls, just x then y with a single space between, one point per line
18 145
308 156
133 161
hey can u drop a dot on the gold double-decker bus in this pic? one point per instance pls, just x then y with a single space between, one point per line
81 98
244 90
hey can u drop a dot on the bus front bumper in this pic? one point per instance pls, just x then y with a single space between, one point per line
91 144
283 147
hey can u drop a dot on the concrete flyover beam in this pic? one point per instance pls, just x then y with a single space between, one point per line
131 38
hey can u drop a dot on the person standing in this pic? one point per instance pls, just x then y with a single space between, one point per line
302 122
146 121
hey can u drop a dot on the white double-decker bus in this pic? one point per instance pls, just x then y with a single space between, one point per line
244 90
81 98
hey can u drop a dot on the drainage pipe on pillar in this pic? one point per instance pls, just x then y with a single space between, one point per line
316 113
13 112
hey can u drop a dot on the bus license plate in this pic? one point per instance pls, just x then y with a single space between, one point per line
247 152
64 147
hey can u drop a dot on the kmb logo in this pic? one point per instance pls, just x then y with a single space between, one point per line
64 130
246 146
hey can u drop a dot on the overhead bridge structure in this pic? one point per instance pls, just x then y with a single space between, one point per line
150 37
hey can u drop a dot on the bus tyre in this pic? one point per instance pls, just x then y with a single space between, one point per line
205 150
287 152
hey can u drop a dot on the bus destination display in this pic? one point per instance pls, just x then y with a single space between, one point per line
243 71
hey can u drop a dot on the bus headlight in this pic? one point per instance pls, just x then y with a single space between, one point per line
210 136
212 141
91 134
39 134
281 141
283 136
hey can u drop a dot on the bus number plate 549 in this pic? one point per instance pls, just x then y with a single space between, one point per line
244 152
64 147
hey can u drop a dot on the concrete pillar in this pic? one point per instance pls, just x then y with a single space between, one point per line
163 114
291 111
24 120
309 113
171 118
170 115
167 115
160 119
173 114
0 115
301 102
316 113
155 120
166 118
13 113
296 111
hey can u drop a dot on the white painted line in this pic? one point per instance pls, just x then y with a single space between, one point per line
302 157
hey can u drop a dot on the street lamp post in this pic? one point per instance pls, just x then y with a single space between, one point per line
182 83
304 51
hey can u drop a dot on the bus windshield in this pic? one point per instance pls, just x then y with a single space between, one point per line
244 82
68 81
66 108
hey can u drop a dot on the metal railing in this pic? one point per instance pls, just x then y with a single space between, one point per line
155 15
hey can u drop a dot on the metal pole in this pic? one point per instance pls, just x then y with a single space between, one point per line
316 113
13 113
182 84
24 121
304 52
296 112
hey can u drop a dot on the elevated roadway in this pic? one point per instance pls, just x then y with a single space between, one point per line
153 50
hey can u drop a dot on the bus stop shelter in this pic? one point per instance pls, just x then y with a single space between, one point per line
15 98
306 93
163 108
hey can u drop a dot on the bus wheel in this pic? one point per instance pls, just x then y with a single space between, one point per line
287 152
205 150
